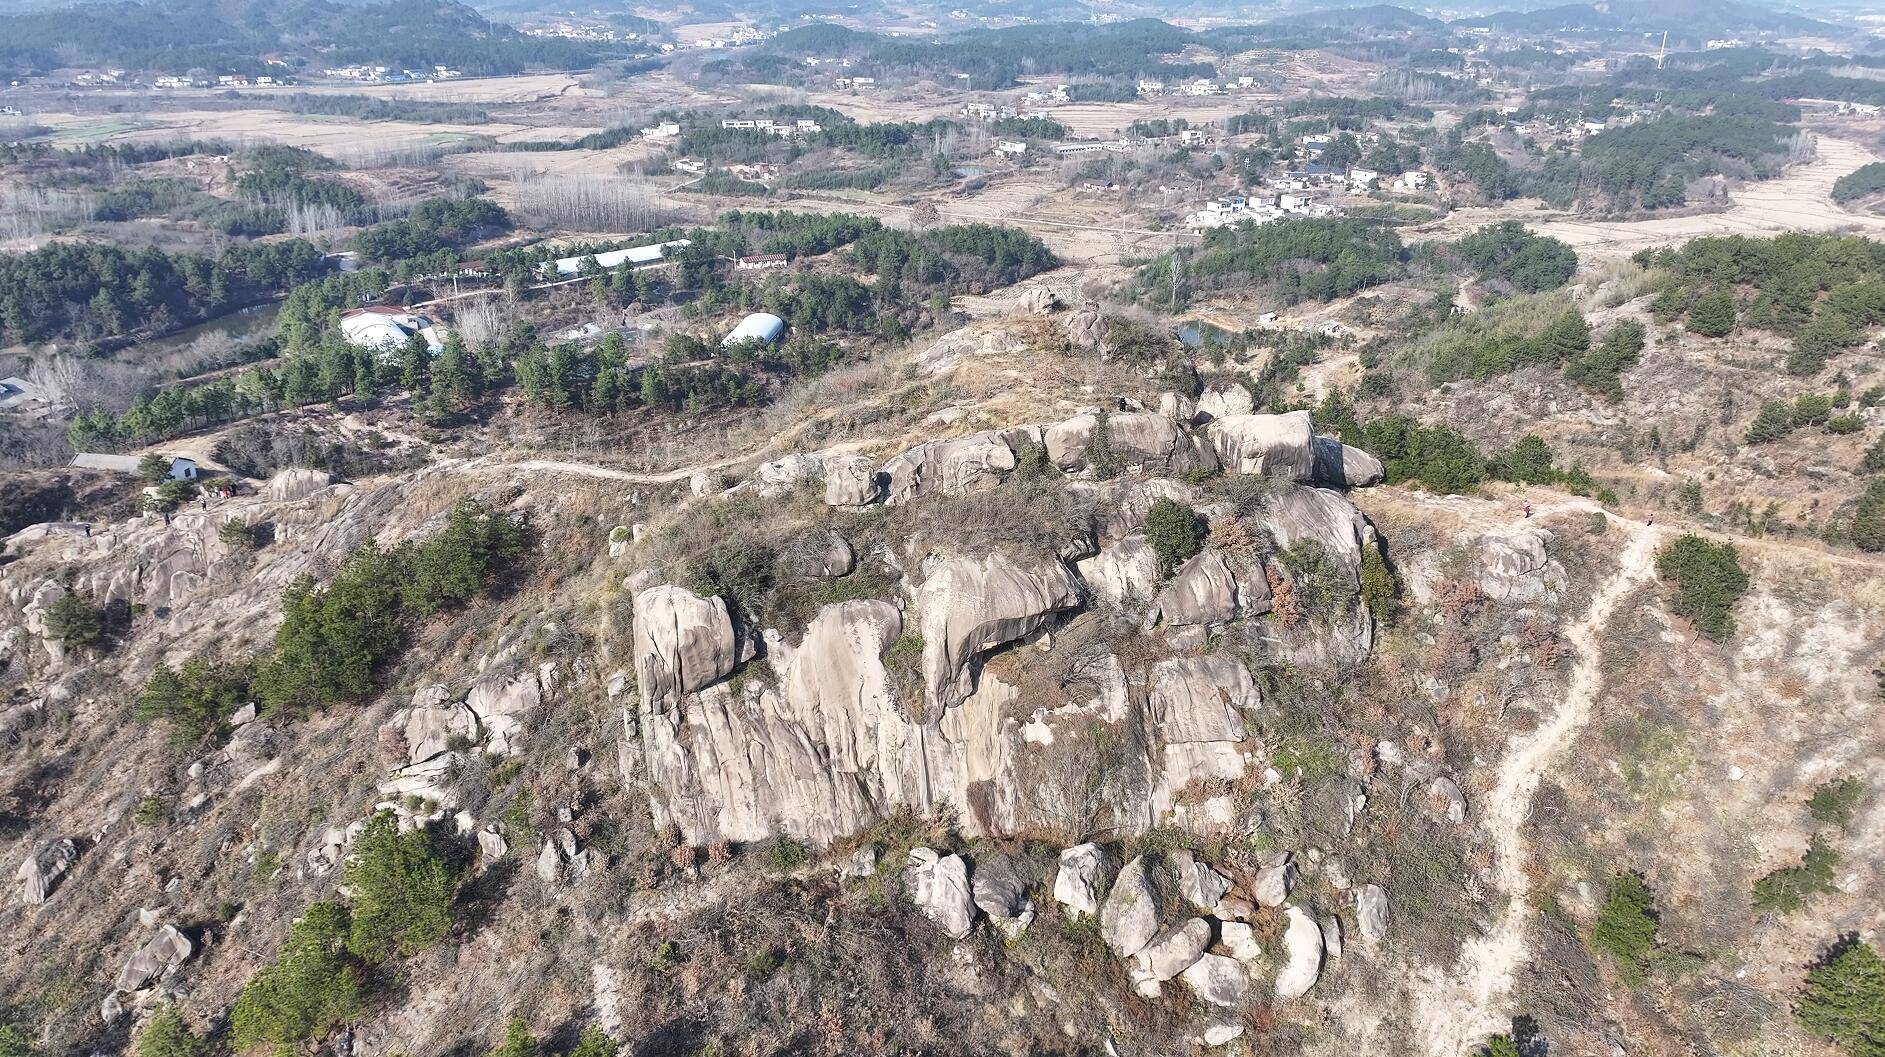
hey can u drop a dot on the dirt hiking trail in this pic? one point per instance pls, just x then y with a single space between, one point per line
1457 1010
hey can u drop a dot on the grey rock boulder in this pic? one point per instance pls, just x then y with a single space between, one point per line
162 953
1217 980
683 643
939 886
1371 913
1172 952
949 467
1130 917
39 874
1081 878
852 481
1302 944
1339 465
1202 591
1198 883
1271 445
1202 699
1225 400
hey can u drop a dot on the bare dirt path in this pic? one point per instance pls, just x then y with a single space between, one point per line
1456 1010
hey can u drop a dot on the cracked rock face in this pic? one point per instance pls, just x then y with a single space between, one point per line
969 607
683 643
1202 591
165 951
1339 465
949 467
1270 445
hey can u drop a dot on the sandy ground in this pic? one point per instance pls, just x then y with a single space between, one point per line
334 136
1800 200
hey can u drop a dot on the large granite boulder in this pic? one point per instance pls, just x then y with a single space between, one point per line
949 467
1302 943
852 482
1217 980
295 483
969 607
1130 917
1202 591
1225 400
433 721
1339 465
1517 567
939 886
1082 876
1137 439
1274 445
785 474
501 702
1172 952
164 951
682 643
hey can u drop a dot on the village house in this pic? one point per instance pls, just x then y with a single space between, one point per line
762 262
181 469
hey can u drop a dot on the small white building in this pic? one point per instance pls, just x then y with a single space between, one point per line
386 330
1363 179
634 257
664 130
181 469
1410 181
1011 148
762 327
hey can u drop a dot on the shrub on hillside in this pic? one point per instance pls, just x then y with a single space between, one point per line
196 699
1836 801
1867 530
1175 531
76 623
403 886
1708 580
1626 927
1786 889
1844 1000
312 987
168 1036
1712 314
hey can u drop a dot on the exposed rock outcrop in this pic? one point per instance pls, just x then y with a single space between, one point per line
163 952
1302 940
949 467
1274 445
1136 439
39 874
683 643
1081 879
1129 919
1339 465
971 606
852 482
1123 574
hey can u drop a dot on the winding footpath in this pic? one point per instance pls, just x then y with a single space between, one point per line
1455 1011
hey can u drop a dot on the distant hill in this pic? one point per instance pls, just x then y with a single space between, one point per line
1375 17
1692 19
179 35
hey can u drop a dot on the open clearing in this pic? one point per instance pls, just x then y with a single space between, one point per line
1799 200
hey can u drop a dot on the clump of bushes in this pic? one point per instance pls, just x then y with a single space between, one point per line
196 699
1175 532
1844 1000
314 985
334 637
1708 581
1836 801
75 622
1786 890
403 887
1626 927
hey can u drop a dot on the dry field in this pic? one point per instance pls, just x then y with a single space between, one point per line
1799 200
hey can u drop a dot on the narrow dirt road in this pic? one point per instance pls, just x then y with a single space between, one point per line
1456 1010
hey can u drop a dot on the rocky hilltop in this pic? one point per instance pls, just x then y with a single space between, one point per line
1154 726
